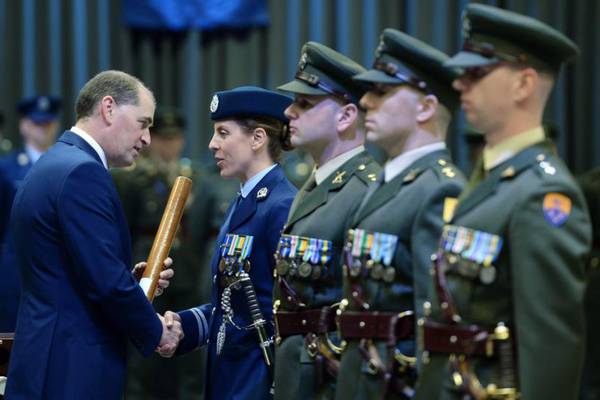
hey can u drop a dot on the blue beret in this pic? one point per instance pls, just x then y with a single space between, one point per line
40 109
249 101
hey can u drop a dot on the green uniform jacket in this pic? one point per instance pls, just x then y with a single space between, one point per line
590 386
321 212
533 204
410 206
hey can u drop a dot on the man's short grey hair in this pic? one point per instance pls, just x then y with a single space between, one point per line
121 86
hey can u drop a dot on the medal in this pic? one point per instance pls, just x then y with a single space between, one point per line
487 275
222 265
389 274
316 272
304 270
282 267
355 267
377 271
293 268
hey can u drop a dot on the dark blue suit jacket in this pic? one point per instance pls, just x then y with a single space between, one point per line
13 169
240 372
79 302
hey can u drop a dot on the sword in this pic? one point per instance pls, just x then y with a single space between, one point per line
258 321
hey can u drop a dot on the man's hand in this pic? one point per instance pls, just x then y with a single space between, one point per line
172 334
165 275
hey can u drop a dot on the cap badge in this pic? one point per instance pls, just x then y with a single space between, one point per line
303 61
466 26
380 48
214 104
43 103
262 193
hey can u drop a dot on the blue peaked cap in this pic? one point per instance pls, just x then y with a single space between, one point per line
249 101
40 109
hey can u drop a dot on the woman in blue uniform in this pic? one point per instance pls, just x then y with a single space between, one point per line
249 136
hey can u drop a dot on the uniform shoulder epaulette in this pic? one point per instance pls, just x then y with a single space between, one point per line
367 171
445 169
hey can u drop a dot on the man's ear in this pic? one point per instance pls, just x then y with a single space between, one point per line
525 84
346 116
259 138
108 108
426 109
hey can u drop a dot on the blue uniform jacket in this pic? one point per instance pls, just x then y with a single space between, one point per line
240 372
79 302
13 169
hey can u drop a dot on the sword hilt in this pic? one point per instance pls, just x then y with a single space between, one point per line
258 321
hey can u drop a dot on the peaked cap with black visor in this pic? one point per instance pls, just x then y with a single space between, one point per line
401 59
323 71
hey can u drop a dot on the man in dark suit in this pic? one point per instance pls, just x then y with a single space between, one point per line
507 294
80 302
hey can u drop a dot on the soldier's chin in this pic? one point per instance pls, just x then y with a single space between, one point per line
373 137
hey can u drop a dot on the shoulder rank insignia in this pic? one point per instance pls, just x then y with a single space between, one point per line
508 172
339 177
411 176
547 167
262 193
557 208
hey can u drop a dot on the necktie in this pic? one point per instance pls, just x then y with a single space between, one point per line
225 227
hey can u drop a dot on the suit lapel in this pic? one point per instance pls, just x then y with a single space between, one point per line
387 191
76 140
247 206
507 170
313 199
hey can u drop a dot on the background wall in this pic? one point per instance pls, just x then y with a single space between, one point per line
55 46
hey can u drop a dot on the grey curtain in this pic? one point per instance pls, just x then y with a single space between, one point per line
55 46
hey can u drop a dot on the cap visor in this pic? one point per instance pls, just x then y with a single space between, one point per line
299 87
40 118
376 76
465 59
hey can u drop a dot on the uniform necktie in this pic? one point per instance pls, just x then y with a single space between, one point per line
225 227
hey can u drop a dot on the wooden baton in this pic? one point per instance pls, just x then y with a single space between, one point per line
165 235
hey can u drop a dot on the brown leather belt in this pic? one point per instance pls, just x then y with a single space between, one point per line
377 325
6 341
289 323
457 339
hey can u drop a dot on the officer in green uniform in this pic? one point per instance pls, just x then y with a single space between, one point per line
325 121
475 144
387 254
590 385
144 190
508 281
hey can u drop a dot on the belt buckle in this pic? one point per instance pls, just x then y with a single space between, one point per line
403 359
339 309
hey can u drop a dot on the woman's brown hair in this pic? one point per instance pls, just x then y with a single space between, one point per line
277 131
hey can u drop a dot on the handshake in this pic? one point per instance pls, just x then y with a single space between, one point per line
172 334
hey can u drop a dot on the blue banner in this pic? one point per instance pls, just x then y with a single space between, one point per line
179 15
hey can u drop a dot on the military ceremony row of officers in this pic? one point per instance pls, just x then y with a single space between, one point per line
395 281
